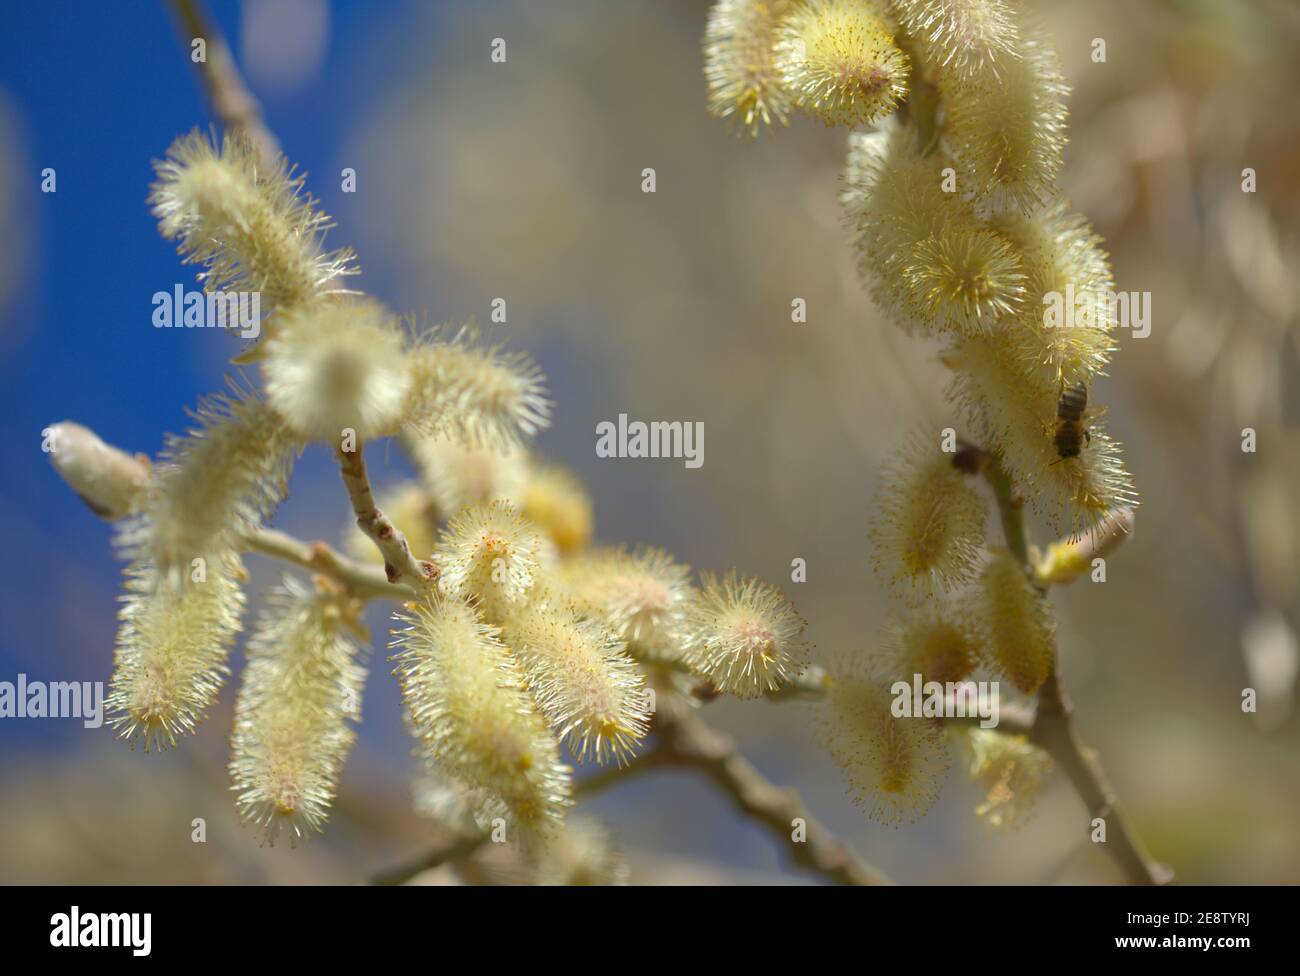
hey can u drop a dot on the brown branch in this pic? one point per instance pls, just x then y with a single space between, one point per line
232 103
1053 727
456 847
689 742
399 564
362 580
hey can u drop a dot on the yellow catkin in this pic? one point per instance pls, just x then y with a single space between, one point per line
643 596
460 475
1016 623
491 555
481 396
892 766
1007 129
745 84
301 691
1012 770
582 680
221 478
557 503
255 231
936 642
839 60
928 526
966 38
745 637
468 705
173 644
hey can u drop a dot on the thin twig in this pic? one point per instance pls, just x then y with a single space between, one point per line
232 103
399 564
365 581
689 742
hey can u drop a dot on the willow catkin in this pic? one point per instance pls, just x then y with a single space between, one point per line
1016 622
492 555
643 596
468 705
592 693
255 231
740 63
745 636
301 691
173 643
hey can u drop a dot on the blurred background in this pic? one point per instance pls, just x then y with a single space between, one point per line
521 180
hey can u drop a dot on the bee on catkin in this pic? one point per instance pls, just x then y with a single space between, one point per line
1071 431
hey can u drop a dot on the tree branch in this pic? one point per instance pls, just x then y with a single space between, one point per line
362 580
1053 726
687 741
400 565
232 103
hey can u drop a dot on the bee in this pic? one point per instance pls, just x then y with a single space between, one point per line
1071 432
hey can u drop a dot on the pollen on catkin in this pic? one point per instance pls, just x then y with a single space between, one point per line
937 642
492 555
579 673
337 366
643 596
965 278
967 38
481 396
173 642
745 636
839 60
1008 129
744 82
1011 769
927 529
893 766
301 691
224 476
467 703
254 231
1016 623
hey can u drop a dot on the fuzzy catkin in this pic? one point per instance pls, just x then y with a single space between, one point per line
592 693
301 690
740 63
254 231
467 703
173 644
1017 625
745 636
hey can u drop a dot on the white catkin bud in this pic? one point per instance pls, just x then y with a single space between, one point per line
110 481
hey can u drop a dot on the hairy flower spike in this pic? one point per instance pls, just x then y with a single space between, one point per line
1012 770
172 647
969 38
928 530
255 231
893 766
965 279
584 853
939 643
1017 623
492 555
466 701
301 685
839 59
337 366
744 81
481 396
745 636
1008 130
222 478
643 596
583 681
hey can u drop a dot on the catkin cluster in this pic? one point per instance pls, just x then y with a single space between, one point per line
522 642
962 235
